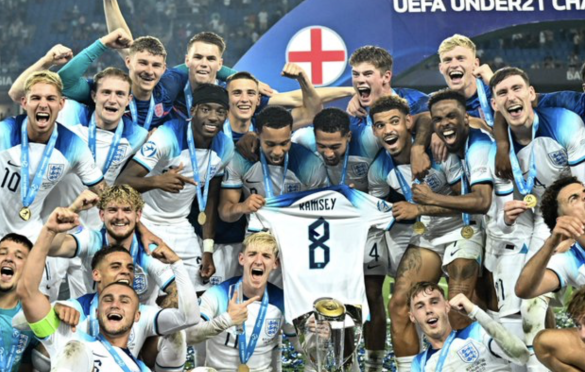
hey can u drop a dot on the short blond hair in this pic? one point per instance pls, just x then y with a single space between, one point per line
45 77
261 239
122 194
454 41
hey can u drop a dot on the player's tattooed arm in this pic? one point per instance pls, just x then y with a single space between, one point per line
99 188
55 57
478 201
171 300
311 102
115 20
419 160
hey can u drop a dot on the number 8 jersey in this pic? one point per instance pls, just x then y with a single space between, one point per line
321 236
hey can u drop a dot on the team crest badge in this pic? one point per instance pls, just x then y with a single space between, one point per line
271 327
120 153
148 149
215 280
140 280
433 181
359 170
468 353
159 110
54 172
292 187
559 158
383 206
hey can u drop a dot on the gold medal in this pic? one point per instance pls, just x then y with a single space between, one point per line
530 200
243 368
419 228
467 232
24 213
201 218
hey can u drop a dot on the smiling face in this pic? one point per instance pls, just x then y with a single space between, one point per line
111 97
208 119
204 61
430 310
145 70
120 219
513 99
12 259
451 124
115 267
117 310
258 261
392 128
42 104
457 67
369 82
244 98
332 146
275 143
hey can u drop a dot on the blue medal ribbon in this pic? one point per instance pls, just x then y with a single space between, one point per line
247 349
524 186
464 182
92 139
134 112
343 169
117 358
94 327
442 355
188 97
28 192
483 102
266 174
6 361
201 198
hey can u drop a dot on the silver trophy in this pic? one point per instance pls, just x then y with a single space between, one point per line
329 334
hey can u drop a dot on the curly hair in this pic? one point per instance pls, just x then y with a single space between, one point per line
123 194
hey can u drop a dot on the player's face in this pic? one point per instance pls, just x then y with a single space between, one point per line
117 310
204 61
513 99
111 98
120 219
430 311
275 143
451 124
369 82
258 262
208 119
332 146
392 130
12 258
244 98
145 69
571 200
115 267
457 67
42 104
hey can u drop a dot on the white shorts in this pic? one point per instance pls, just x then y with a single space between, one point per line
397 240
376 254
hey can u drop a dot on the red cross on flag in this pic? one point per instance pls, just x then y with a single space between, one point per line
320 51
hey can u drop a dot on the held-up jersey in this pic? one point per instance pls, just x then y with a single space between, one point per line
473 349
166 149
305 172
322 235
26 339
222 350
569 266
150 274
363 147
70 155
383 184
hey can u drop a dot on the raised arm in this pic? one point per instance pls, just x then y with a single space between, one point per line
115 20
230 208
311 102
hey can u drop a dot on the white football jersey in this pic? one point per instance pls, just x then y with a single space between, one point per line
70 155
167 149
322 235
569 266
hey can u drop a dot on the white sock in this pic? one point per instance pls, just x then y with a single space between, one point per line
403 364
374 360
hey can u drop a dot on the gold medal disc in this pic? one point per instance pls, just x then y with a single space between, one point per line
467 232
25 213
201 218
243 368
419 228
530 200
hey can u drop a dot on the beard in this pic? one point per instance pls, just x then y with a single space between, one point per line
116 332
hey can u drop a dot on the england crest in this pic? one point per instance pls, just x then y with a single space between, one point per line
120 153
140 280
159 110
468 353
558 158
271 327
359 170
54 172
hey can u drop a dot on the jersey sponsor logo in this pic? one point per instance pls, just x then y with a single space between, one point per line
271 327
140 280
159 110
54 172
120 154
250 180
359 170
320 51
291 187
468 353
383 206
12 164
149 149
370 266
558 158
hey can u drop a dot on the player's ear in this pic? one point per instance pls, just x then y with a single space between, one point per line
241 258
136 316
493 102
411 317
387 77
96 275
138 215
409 122
93 95
101 212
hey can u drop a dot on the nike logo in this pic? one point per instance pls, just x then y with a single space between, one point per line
250 181
370 267
14 165
453 253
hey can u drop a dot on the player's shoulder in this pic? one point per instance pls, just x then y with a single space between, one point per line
382 164
300 156
479 138
69 143
133 132
305 137
84 302
10 131
223 146
474 330
417 100
558 121
275 296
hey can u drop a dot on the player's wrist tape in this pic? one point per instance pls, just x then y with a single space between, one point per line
473 312
46 326
208 245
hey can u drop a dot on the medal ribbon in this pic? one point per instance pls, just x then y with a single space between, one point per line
442 355
201 199
94 327
28 192
344 169
483 102
246 350
464 182
524 186
266 174
134 112
92 132
119 361
6 361
404 186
